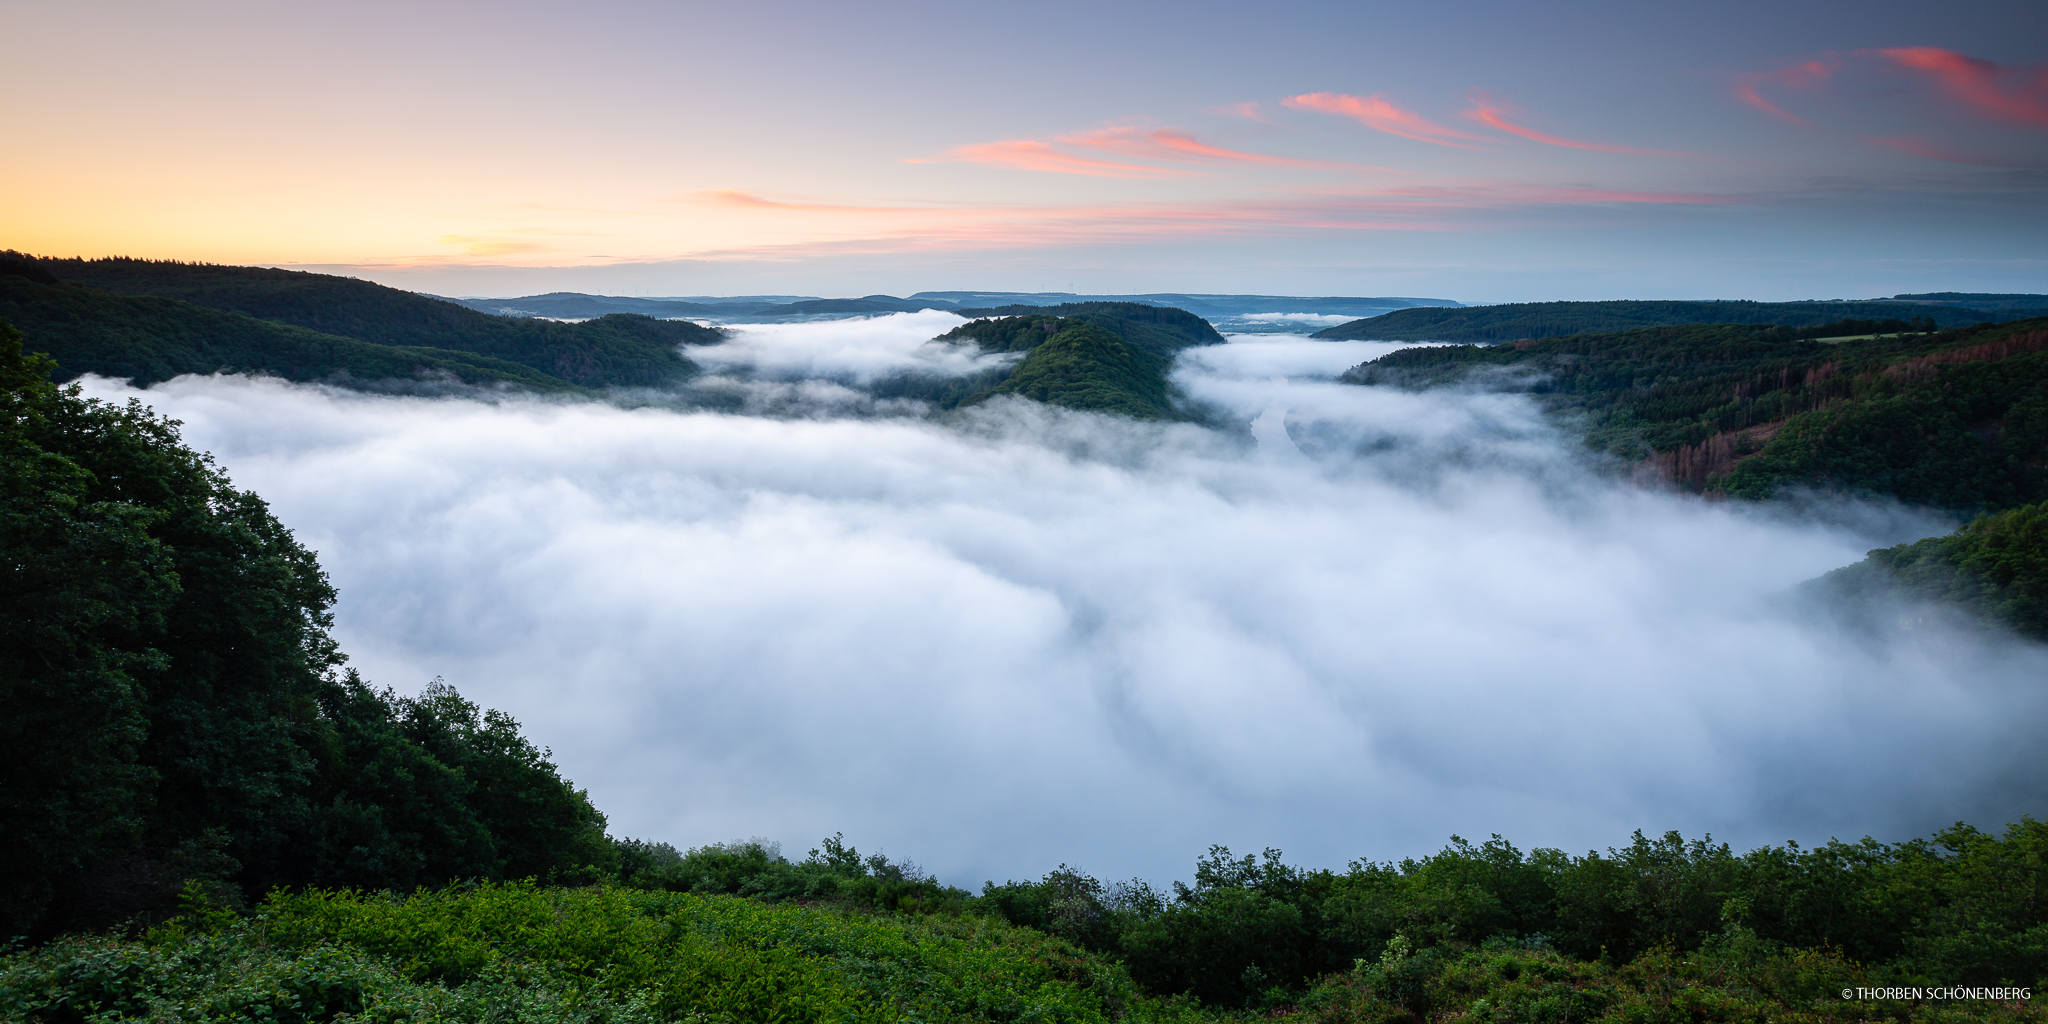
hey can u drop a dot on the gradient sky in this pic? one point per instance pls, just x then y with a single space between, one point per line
1476 151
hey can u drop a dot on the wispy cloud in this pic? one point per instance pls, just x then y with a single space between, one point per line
1406 208
2007 93
1173 144
1498 196
748 200
1033 155
1249 111
1083 153
1376 113
1749 88
1493 114
1976 83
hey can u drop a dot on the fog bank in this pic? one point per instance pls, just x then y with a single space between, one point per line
1018 636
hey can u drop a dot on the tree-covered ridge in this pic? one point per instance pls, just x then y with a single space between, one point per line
620 349
1096 356
1085 367
174 706
148 340
1957 420
1963 428
1995 568
1520 321
1699 401
1160 330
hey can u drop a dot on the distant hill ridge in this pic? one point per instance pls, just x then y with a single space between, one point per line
1979 300
86 314
1523 321
767 308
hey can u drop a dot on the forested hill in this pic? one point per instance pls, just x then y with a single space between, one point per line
148 339
1110 357
1083 366
1160 330
1519 321
1727 405
615 350
1955 419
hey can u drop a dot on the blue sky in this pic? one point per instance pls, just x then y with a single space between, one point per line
1479 151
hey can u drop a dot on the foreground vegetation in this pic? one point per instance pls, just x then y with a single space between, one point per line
1250 939
174 705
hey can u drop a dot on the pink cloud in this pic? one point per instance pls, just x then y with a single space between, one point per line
1487 112
1248 111
1494 195
1426 208
1379 115
1176 145
1159 145
1975 82
735 197
1032 155
1798 76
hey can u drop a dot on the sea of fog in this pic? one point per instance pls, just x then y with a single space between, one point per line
1342 621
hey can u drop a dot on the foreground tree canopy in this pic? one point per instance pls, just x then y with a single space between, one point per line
174 705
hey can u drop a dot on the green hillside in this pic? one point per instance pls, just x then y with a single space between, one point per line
613 350
1995 568
1956 420
1944 419
150 339
1085 367
1160 330
1118 364
1518 321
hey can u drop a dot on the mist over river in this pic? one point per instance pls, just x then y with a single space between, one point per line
1342 621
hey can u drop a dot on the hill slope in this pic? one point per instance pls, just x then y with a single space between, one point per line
617 349
1110 357
1085 367
149 339
1160 330
1995 568
1520 321
1698 402
1957 420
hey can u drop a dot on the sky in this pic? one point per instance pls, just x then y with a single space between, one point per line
1347 622
1482 151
